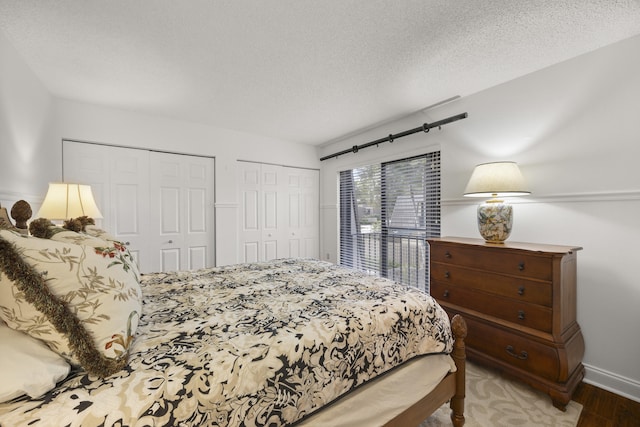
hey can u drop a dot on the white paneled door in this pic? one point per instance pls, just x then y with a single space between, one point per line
250 233
279 212
119 179
303 219
160 204
181 197
272 212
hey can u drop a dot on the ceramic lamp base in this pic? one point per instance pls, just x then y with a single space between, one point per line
495 220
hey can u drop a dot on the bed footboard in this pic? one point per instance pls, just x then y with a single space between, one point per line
459 327
451 389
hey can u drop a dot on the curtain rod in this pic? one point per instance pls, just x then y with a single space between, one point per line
424 128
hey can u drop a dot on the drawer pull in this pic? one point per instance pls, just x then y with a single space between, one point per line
521 266
447 254
447 274
521 314
446 293
522 356
521 290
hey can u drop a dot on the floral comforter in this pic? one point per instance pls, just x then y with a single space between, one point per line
248 345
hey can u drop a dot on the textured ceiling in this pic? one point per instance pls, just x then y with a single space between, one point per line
307 71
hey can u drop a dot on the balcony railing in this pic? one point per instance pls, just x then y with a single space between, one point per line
403 258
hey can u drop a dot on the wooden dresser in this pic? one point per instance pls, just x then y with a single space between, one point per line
519 301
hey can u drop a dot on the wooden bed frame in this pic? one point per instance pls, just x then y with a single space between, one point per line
451 389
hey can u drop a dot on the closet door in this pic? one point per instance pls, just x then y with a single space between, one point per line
181 214
160 204
119 178
273 213
303 219
249 195
279 212
262 212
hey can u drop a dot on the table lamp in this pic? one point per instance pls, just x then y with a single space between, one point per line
496 179
64 201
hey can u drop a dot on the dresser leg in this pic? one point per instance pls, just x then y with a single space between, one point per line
562 405
561 397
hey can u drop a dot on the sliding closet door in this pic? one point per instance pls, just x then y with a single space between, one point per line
119 178
181 215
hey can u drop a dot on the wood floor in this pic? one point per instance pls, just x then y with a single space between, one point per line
602 408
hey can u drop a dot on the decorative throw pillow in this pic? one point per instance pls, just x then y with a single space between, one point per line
96 238
81 303
94 231
27 366
76 238
5 222
116 251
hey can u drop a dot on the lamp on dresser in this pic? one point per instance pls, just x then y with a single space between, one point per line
66 200
496 180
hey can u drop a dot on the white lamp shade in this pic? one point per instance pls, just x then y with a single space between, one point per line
497 178
64 201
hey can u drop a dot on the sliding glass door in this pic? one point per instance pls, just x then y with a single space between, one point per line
387 211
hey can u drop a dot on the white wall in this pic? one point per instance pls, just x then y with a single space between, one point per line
573 128
25 130
33 124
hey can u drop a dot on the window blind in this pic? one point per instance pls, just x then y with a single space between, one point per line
387 211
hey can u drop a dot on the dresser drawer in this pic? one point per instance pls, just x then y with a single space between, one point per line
521 289
498 260
515 350
519 313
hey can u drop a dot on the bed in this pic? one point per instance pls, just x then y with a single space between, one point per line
288 342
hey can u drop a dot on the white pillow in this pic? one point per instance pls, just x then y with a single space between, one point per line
27 366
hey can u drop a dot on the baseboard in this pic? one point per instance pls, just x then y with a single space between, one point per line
612 382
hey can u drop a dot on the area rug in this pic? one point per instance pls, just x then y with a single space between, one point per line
494 401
